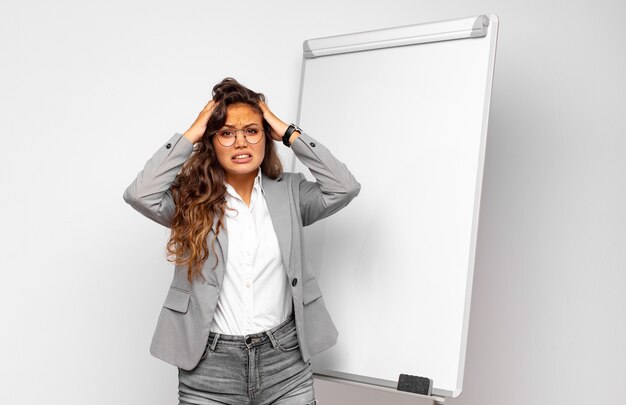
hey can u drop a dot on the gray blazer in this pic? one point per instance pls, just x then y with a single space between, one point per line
182 330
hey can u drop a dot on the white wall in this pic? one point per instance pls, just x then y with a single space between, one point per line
88 90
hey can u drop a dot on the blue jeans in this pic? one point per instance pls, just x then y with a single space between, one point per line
260 369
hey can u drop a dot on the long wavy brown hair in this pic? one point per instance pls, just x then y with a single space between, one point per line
199 191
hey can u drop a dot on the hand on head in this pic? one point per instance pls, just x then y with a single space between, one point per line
198 128
278 127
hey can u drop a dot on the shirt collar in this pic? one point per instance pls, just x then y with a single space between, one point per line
259 180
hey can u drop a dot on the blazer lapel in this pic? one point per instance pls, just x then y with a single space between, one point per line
277 198
222 253
222 240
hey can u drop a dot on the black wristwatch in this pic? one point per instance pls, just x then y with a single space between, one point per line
290 130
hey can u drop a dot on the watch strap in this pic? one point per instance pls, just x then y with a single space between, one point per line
290 130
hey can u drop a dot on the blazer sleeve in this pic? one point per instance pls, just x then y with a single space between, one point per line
334 187
150 192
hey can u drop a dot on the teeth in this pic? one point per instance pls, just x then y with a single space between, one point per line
242 156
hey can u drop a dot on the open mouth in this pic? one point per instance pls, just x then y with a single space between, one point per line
242 156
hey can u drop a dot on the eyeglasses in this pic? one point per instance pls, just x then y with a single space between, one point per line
227 137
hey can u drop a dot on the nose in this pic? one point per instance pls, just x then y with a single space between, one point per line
240 139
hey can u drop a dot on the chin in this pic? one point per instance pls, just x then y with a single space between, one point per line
242 169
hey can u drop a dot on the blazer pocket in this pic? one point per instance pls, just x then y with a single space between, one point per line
177 300
310 291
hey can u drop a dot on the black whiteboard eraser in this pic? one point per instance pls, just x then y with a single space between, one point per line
415 384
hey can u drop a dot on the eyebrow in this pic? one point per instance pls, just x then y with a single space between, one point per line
245 126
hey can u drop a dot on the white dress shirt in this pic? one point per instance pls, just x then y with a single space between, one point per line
255 293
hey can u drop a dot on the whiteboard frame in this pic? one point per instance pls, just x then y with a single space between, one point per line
470 27
447 30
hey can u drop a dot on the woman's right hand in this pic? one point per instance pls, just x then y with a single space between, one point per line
198 128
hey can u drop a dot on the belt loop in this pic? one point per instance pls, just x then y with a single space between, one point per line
214 342
272 339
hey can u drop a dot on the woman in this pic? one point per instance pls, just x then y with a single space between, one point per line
244 313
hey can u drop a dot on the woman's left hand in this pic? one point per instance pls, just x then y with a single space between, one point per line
278 126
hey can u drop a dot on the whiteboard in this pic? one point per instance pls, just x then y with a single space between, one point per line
406 109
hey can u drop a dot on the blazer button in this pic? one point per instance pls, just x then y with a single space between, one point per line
169 145
312 144
294 282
